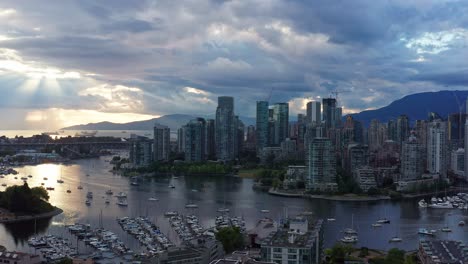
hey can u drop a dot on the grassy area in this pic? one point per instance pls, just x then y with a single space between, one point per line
248 173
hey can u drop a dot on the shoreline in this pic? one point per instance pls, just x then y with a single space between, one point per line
25 218
343 198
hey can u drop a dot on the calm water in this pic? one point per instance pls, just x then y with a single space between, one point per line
210 193
66 133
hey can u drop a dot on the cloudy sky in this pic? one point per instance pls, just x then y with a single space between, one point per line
64 62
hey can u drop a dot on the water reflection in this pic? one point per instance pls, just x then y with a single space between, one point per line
22 231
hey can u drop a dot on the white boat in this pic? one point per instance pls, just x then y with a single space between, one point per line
122 202
395 239
134 183
191 205
446 229
461 223
89 195
121 195
265 211
424 231
153 199
349 239
331 219
223 210
350 231
433 200
109 192
383 221
170 213
423 204
376 225
442 205
88 202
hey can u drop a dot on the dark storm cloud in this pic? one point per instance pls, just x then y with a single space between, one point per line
377 50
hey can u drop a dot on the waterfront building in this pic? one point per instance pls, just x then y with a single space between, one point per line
314 112
281 119
240 136
402 129
413 157
294 175
321 165
352 131
329 112
365 177
195 140
202 250
19 258
297 243
442 251
162 140
226 129
288 149
437 148
271 132
210 139
270 152
458 162
141 154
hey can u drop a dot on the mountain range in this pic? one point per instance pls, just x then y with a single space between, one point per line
415 106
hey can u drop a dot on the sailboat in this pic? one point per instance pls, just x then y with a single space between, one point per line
80 187
68 190
384 220
60 180
396 238
223 209
351 231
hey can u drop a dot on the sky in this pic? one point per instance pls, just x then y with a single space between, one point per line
66 62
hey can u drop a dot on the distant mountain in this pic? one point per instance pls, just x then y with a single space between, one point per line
417 106
174 122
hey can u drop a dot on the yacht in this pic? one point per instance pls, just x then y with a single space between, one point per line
29 176
80 187
121 195
383 221
88 202
170 213
350 231
376 225
423 204
461 223
89 195
424 231
395 239
223 210
265 211
109 192
442 205
349 239
59 181
4 184
134 183
45 178
122 202
331 219
153 199
446 229
50 188
24 178
68 191
191 205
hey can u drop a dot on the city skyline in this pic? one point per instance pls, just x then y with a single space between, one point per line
133 61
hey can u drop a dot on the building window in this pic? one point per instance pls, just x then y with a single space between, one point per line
292 250
291 262
277 250
277 256
292 256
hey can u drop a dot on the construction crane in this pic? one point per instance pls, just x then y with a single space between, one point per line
336 92
269 95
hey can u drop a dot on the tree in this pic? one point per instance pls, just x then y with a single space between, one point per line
395 256
65 261
231 238
40 192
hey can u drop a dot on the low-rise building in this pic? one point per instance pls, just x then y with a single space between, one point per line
365 177
458 162
298 242
294 175
442 252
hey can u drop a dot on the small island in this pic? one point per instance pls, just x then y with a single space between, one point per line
22 203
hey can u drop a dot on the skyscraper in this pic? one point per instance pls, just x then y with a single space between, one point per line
321 163
162 140
392 130
140 151
420 127
373 135
329 112
338 116
281 118
437 147
402 128
262 125
456 130
210 139
314 112
413 158
226 129
181 139
195 140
